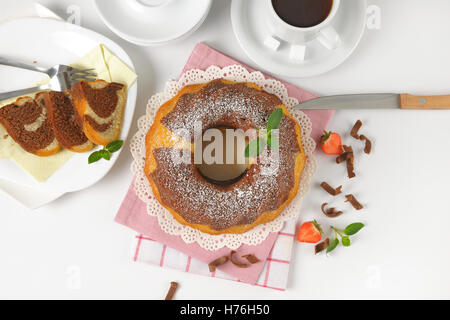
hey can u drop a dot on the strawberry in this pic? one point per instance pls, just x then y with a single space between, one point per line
331 143
310 232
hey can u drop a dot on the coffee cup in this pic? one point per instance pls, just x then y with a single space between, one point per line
299 36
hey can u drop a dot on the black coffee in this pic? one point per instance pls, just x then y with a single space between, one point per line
303 13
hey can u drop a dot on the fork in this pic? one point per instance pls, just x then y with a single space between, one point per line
62 77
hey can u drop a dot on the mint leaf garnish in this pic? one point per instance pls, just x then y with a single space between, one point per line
346 241
274 119
106 152
350 230
94 157
114 146
272 123
333 244
255 147
353 228
273 141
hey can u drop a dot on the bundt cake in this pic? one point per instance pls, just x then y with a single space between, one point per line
255 198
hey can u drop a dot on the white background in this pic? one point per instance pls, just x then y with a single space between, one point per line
402 253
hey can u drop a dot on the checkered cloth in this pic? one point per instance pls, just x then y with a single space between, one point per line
273 275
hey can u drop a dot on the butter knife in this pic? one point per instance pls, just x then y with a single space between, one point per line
377 101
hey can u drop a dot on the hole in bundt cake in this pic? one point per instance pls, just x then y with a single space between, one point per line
222 155
223 183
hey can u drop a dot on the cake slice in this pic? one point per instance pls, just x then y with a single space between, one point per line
26 121
100 106
63 118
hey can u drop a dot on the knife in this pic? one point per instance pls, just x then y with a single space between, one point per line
377 101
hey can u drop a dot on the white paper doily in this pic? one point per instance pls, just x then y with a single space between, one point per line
144 191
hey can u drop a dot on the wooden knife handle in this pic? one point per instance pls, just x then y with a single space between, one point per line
408 101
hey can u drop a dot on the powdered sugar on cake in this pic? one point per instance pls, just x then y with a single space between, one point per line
181 186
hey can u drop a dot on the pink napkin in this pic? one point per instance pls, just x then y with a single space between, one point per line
133 214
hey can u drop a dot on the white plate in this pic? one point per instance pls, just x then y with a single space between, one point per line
251 29
153 25
51 42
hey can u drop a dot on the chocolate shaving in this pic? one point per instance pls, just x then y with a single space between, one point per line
350 161
354 134
330 189
218 262
347 148
251 258
5 136
355 129
173 288
237 264
350 169
368 146
331 212
351 198
322 246
343 157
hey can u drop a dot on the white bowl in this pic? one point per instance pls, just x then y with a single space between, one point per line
153 22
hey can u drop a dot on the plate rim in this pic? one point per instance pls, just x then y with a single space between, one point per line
131 100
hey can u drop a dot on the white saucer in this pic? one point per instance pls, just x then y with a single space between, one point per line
251 29
153 22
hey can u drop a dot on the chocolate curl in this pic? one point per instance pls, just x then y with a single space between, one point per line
347 148
350 169
343 157
251 258
237 264
218 262
351 198
330 189
331 212
355 129
354 134
350 161
173 288
368 145
322 246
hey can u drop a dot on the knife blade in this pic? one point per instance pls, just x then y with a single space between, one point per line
377 101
